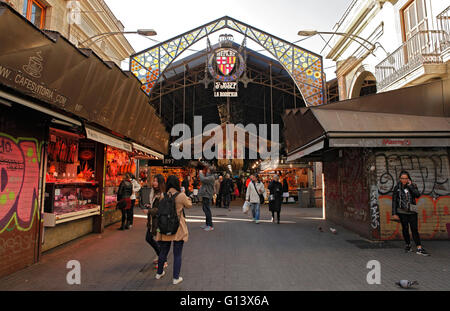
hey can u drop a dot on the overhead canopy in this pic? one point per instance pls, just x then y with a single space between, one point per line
412 117
305 67
48 68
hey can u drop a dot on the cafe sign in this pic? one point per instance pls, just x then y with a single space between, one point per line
27 80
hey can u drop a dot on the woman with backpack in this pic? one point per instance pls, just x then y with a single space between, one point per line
181 201
156 194
124 202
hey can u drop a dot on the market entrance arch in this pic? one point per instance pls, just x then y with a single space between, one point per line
304 67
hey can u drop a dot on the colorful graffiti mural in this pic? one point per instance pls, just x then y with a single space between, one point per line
19 182
430 171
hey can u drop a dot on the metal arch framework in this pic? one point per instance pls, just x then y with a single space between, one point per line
305 67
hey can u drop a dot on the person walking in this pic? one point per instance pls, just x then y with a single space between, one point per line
404 198
275 197
239 184
255 188
136 187
285 189
179 238
217 192
124 202
195 189
206 193
185 184
236 191
226 188
156 194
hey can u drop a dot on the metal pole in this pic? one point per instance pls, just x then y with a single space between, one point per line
295 98
271 107
160 97
264 89
184 94
193 104
228 109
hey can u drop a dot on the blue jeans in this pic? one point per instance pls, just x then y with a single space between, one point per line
177 252
207 210
255 210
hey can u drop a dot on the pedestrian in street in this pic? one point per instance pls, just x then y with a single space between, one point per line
255 188
206 193
239 184
123 200
136 188
156 194
217 192
179 238
404 209
185 184
226 188
236 191
195 185
285 189
275 197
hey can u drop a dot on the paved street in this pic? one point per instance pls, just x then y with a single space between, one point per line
238 255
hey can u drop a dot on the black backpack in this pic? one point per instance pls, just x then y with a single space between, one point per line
168 221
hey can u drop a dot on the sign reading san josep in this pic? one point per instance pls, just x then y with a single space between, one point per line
226 65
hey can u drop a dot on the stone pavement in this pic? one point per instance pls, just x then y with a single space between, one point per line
237 256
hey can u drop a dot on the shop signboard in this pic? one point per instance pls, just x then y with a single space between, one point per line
226 65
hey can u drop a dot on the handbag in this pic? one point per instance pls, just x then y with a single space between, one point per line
261 197
271 197
121 204
245 207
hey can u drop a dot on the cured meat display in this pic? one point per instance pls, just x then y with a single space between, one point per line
118 163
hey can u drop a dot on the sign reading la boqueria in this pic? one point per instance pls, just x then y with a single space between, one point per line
226 65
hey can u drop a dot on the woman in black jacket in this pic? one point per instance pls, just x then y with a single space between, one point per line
275 197
156 194
404 195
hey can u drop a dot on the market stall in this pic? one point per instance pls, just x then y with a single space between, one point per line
295 175
118 163
71 190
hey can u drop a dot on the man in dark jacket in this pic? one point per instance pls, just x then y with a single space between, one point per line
185 184
206 193
226 188
404 198
124 202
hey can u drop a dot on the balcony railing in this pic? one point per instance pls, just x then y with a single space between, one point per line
425 47
443 22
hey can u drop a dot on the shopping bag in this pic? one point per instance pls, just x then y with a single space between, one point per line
246 207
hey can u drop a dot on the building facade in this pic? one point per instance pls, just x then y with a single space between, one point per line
71 126
408 43
78 21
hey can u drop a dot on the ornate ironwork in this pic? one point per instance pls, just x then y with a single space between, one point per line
305 67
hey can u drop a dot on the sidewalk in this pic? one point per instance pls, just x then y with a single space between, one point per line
238 255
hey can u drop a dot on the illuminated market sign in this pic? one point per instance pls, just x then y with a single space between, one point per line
226 65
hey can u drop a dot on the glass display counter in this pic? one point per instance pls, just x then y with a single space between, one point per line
68 201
